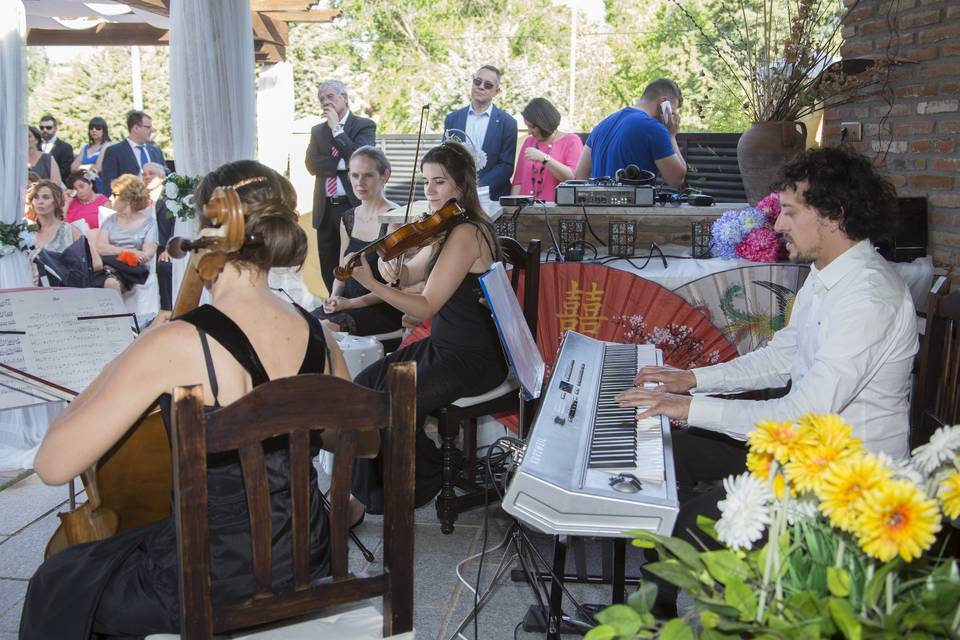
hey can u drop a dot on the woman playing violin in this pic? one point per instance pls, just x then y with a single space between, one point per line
351 307
127 585
462 356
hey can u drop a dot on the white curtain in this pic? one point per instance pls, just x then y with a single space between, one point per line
275 115
14 268
212 91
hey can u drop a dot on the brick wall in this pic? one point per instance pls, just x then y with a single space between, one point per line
912 126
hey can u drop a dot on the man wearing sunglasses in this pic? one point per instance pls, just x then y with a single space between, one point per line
61 150
490 129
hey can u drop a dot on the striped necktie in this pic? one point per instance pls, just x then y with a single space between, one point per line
332 180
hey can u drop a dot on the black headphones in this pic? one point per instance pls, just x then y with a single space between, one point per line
632 174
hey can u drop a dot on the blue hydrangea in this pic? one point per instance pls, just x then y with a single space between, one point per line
731 228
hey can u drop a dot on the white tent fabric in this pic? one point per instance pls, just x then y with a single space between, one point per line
14 268
212 91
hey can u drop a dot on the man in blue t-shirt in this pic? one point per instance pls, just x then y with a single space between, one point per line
644 134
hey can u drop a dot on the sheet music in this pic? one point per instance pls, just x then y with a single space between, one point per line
522 353
56 334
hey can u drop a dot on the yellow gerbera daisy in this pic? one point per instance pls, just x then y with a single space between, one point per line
806 469
776 438
949 495
759 464
897 519
829 430
844 484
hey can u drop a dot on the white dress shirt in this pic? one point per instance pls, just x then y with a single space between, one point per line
47 145
848 349
136 151
477 123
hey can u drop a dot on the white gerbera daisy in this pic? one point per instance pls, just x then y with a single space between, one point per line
942 447
803 508
902 469
744 512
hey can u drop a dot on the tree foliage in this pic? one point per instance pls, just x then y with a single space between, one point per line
100 85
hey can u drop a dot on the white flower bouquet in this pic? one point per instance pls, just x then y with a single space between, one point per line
17 236
178 192
847 545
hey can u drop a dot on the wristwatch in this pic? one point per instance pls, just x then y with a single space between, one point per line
546 158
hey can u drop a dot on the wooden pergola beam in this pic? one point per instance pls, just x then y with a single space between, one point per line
321 15
116 34
280 5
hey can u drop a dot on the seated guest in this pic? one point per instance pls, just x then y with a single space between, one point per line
98 138
39 163
644 135
84 203
154 174
132 228
547 156
45 202
128 585
847 349
351 307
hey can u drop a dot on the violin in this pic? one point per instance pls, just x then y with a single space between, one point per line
131 484
412 235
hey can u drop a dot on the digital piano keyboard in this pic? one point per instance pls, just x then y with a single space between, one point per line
589 467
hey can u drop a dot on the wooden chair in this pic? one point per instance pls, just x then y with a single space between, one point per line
936 398
293 406
463 413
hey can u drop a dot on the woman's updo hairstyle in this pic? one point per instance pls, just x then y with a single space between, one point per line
271 203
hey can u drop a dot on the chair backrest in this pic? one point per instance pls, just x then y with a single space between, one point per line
526 263
295 407
936 398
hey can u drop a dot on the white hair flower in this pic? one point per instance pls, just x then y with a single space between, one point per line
744 512
942 447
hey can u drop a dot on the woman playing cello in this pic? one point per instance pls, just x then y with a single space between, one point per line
127 585
462 356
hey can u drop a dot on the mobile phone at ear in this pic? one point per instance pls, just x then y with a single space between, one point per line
665 111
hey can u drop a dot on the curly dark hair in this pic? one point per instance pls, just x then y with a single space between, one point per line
844 185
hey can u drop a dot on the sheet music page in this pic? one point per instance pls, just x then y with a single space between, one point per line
57 334
522 353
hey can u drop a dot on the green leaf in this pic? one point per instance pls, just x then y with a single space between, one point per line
643 543
624 620
724 565
877 584
643 598
676 574
713 634
677 629
602 632
741 596
708 525
684 552
709 619
838 581
845 618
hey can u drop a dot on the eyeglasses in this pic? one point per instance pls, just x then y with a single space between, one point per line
48 127
96 126
480 82
146 126
328 96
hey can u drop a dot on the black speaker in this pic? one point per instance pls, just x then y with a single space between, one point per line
909 239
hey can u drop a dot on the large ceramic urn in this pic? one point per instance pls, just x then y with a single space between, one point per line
762 150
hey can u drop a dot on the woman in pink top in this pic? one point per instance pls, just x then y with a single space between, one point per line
547 156
85 202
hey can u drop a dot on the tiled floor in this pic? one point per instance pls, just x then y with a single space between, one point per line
28 517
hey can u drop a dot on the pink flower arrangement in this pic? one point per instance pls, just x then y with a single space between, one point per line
761 245
770 207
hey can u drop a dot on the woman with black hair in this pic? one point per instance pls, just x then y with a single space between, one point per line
462 356
127 585
98 136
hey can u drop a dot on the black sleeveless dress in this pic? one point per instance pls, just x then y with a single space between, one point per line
365 321
461 357
128 585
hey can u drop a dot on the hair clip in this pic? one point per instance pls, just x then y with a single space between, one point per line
246 181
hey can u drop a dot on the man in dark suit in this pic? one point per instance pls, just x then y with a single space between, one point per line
131 154
331 145
61 150
489 128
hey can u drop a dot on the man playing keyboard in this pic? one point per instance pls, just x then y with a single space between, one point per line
848 347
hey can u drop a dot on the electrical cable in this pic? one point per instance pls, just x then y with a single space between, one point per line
553 237
586 219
